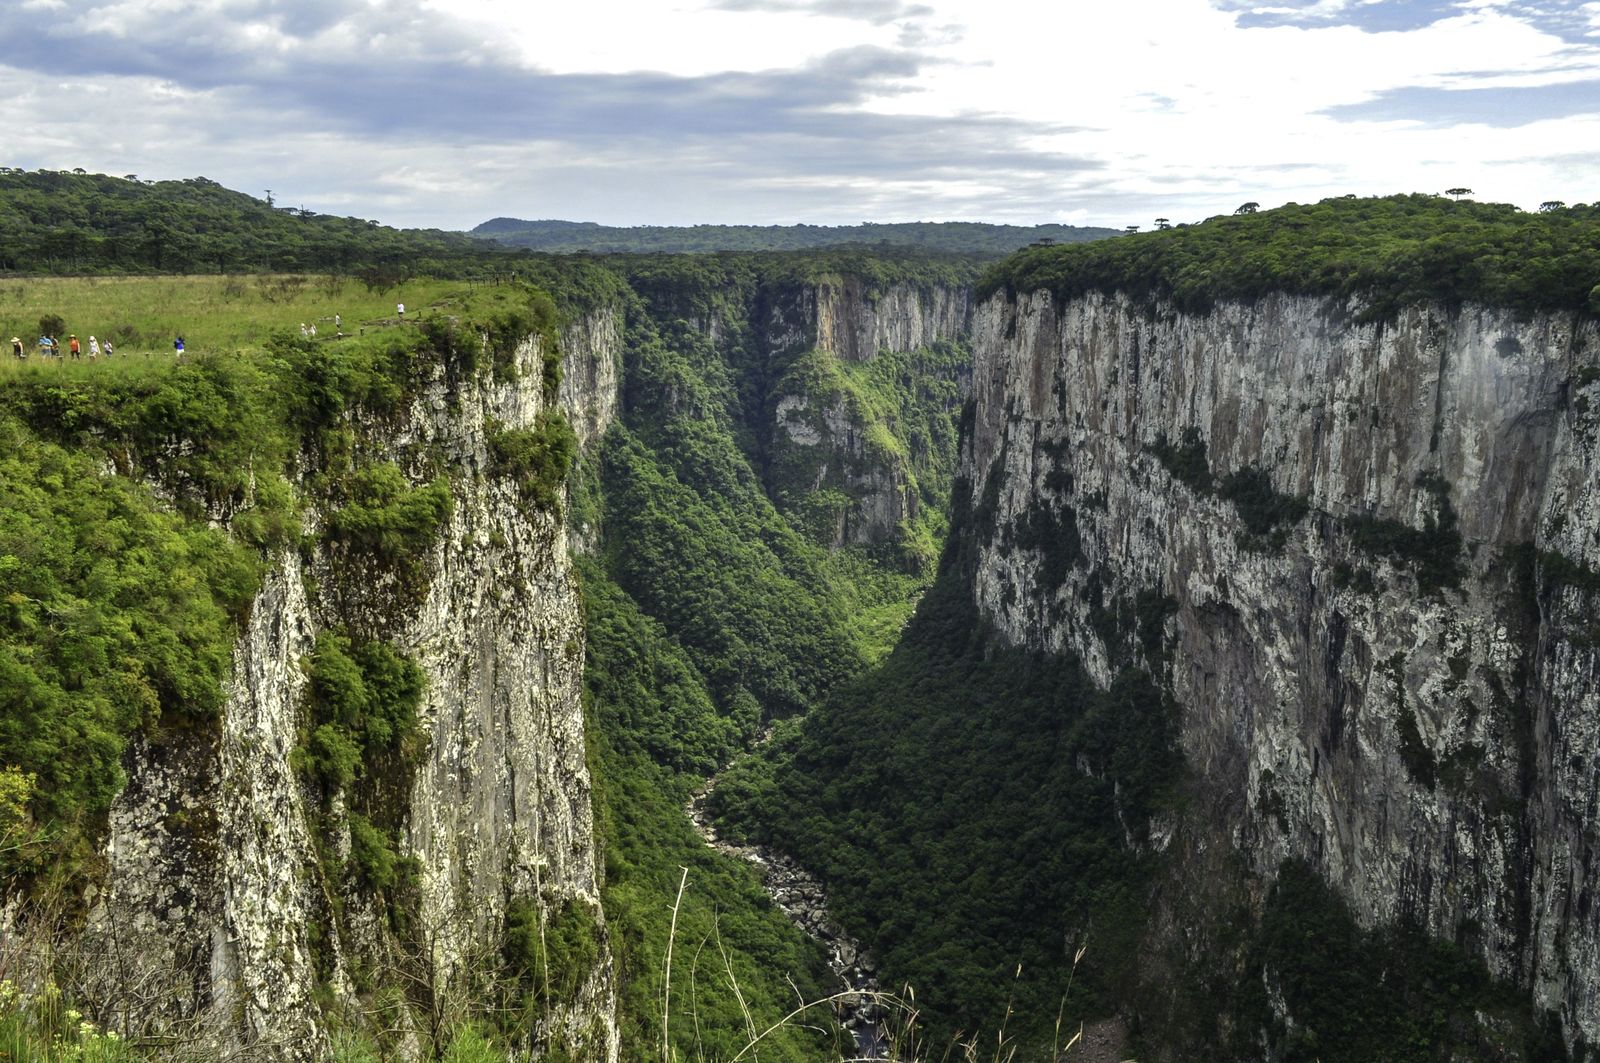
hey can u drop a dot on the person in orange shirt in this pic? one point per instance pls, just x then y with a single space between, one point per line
72 345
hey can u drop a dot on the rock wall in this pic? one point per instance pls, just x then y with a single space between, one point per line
825 434
501 807
591 373
855 323
204 928
1415 715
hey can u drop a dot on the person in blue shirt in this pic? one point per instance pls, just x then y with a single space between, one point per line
177 347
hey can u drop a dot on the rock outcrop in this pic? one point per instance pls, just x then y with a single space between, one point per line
1368 554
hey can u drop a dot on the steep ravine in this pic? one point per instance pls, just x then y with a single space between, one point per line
254 903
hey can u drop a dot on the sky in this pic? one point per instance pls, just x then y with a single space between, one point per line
1091 112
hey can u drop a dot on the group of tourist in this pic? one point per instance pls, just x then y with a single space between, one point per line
309 332
50 347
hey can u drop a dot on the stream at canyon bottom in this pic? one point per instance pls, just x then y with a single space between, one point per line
799 894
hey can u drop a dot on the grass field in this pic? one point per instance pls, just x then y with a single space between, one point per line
142 315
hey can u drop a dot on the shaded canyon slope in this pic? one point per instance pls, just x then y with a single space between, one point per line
1349 531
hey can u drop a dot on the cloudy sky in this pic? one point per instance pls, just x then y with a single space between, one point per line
448 112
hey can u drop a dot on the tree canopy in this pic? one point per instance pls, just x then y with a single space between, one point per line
59 222
958 236
1388 252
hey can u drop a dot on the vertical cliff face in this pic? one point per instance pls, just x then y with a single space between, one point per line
204 928
1369 552
591 366
854 322
218 906
849 432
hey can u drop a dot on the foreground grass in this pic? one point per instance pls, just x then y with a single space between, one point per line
142 315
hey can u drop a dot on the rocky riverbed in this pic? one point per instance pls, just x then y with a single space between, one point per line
801 897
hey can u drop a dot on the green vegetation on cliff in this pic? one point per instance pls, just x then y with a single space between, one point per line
140 500
1389 253
710 610
115 616
960 236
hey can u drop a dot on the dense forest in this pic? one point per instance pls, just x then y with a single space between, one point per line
964 237
1385 252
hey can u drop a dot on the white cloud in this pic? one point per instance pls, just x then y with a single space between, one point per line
450 111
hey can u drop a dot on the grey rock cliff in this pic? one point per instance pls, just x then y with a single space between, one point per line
213 884
824 437
855 323
1429 744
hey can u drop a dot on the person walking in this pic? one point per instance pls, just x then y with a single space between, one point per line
94 349
177 347
55 348
16 349
400 309
72 345
108 348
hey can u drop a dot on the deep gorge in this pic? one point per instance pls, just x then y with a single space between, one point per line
1224 655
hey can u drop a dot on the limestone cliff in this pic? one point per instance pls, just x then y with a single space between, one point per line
221 920
1369 552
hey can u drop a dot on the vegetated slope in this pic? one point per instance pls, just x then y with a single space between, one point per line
980 238
711 610
1391 252
976 808
59 222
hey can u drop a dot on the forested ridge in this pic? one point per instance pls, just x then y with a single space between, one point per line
1387 253
964 237
59 222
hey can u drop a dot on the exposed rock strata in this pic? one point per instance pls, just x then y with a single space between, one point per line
1430 749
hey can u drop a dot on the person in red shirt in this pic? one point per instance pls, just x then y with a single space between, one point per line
72 345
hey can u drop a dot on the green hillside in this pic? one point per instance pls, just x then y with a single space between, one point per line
59 222
965 237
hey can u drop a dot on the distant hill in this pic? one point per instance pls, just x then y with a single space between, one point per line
56 221
959 236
